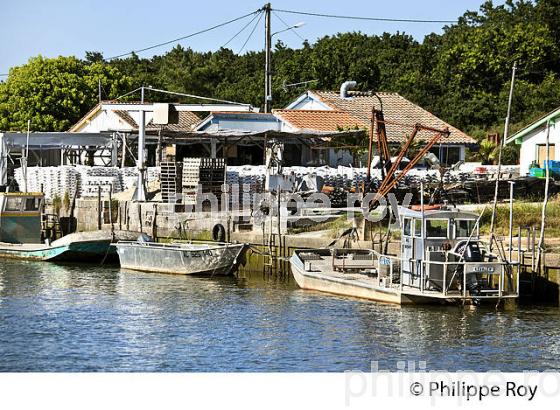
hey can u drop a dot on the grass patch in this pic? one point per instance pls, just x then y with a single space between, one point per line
524 214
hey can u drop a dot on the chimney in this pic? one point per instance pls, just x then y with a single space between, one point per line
345 87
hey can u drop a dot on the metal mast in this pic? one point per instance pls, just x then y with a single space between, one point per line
503 140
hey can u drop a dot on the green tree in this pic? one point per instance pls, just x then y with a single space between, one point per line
54 92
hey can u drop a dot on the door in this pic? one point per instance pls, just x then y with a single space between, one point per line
541 153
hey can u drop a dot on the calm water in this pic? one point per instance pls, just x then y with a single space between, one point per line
68 318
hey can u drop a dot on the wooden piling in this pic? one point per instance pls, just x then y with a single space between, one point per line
140 218
99 207
154 224
111 211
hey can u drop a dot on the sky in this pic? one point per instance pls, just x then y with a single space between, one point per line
71 27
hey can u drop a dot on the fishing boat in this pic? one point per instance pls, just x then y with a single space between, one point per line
21 238
211 259
442 260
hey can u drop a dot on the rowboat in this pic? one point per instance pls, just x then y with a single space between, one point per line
181 258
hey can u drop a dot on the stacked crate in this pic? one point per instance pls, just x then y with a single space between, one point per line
202 175
190 180
169 177
91 178
212 173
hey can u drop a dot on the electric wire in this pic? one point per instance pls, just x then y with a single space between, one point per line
242 30
335 16
185 37
251 33
292 29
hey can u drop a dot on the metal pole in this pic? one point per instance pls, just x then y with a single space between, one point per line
506 134
141 193
370 149
422 233
511 184
540 247
267 68
24 161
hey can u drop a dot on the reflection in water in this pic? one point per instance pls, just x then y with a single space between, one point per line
87 318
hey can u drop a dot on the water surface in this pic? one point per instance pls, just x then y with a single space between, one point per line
90 318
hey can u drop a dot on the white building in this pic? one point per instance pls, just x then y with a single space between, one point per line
532 139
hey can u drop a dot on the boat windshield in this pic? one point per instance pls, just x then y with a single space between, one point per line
436 228
32 204
464 227
14 203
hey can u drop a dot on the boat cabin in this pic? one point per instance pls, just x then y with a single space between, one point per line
429 236
20 217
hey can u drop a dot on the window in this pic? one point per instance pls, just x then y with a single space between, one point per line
436 228
447 155
13 203
417 227
32 204
406 228
464 227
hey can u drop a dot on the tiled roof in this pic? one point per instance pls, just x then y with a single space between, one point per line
319 120
401 115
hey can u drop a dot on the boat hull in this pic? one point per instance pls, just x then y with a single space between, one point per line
323 283
86 251
180 259
337 284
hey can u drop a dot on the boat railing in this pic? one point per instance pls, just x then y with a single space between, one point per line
453 272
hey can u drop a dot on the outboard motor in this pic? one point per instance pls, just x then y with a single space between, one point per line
471 253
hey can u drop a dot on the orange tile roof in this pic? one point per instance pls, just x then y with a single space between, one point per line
319 120
401 115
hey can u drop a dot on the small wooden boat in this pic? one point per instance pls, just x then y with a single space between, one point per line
442 260
181 258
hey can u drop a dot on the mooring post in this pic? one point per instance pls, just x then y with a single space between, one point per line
99 210
140 217
154 224
126 216
111 212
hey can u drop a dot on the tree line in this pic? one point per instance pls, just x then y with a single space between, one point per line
461 75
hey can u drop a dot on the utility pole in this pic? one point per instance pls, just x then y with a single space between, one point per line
140 191
99 89
502 142
267 67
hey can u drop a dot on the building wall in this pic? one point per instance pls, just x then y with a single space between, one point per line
528 152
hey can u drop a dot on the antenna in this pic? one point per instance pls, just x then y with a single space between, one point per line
285 85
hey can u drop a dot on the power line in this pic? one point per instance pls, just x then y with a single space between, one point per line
195 96
185 37
242 30
251 33
292 29
334 16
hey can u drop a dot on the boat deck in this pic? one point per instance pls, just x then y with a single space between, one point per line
322 267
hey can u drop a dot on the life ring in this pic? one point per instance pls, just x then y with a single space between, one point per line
219 233
426 207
